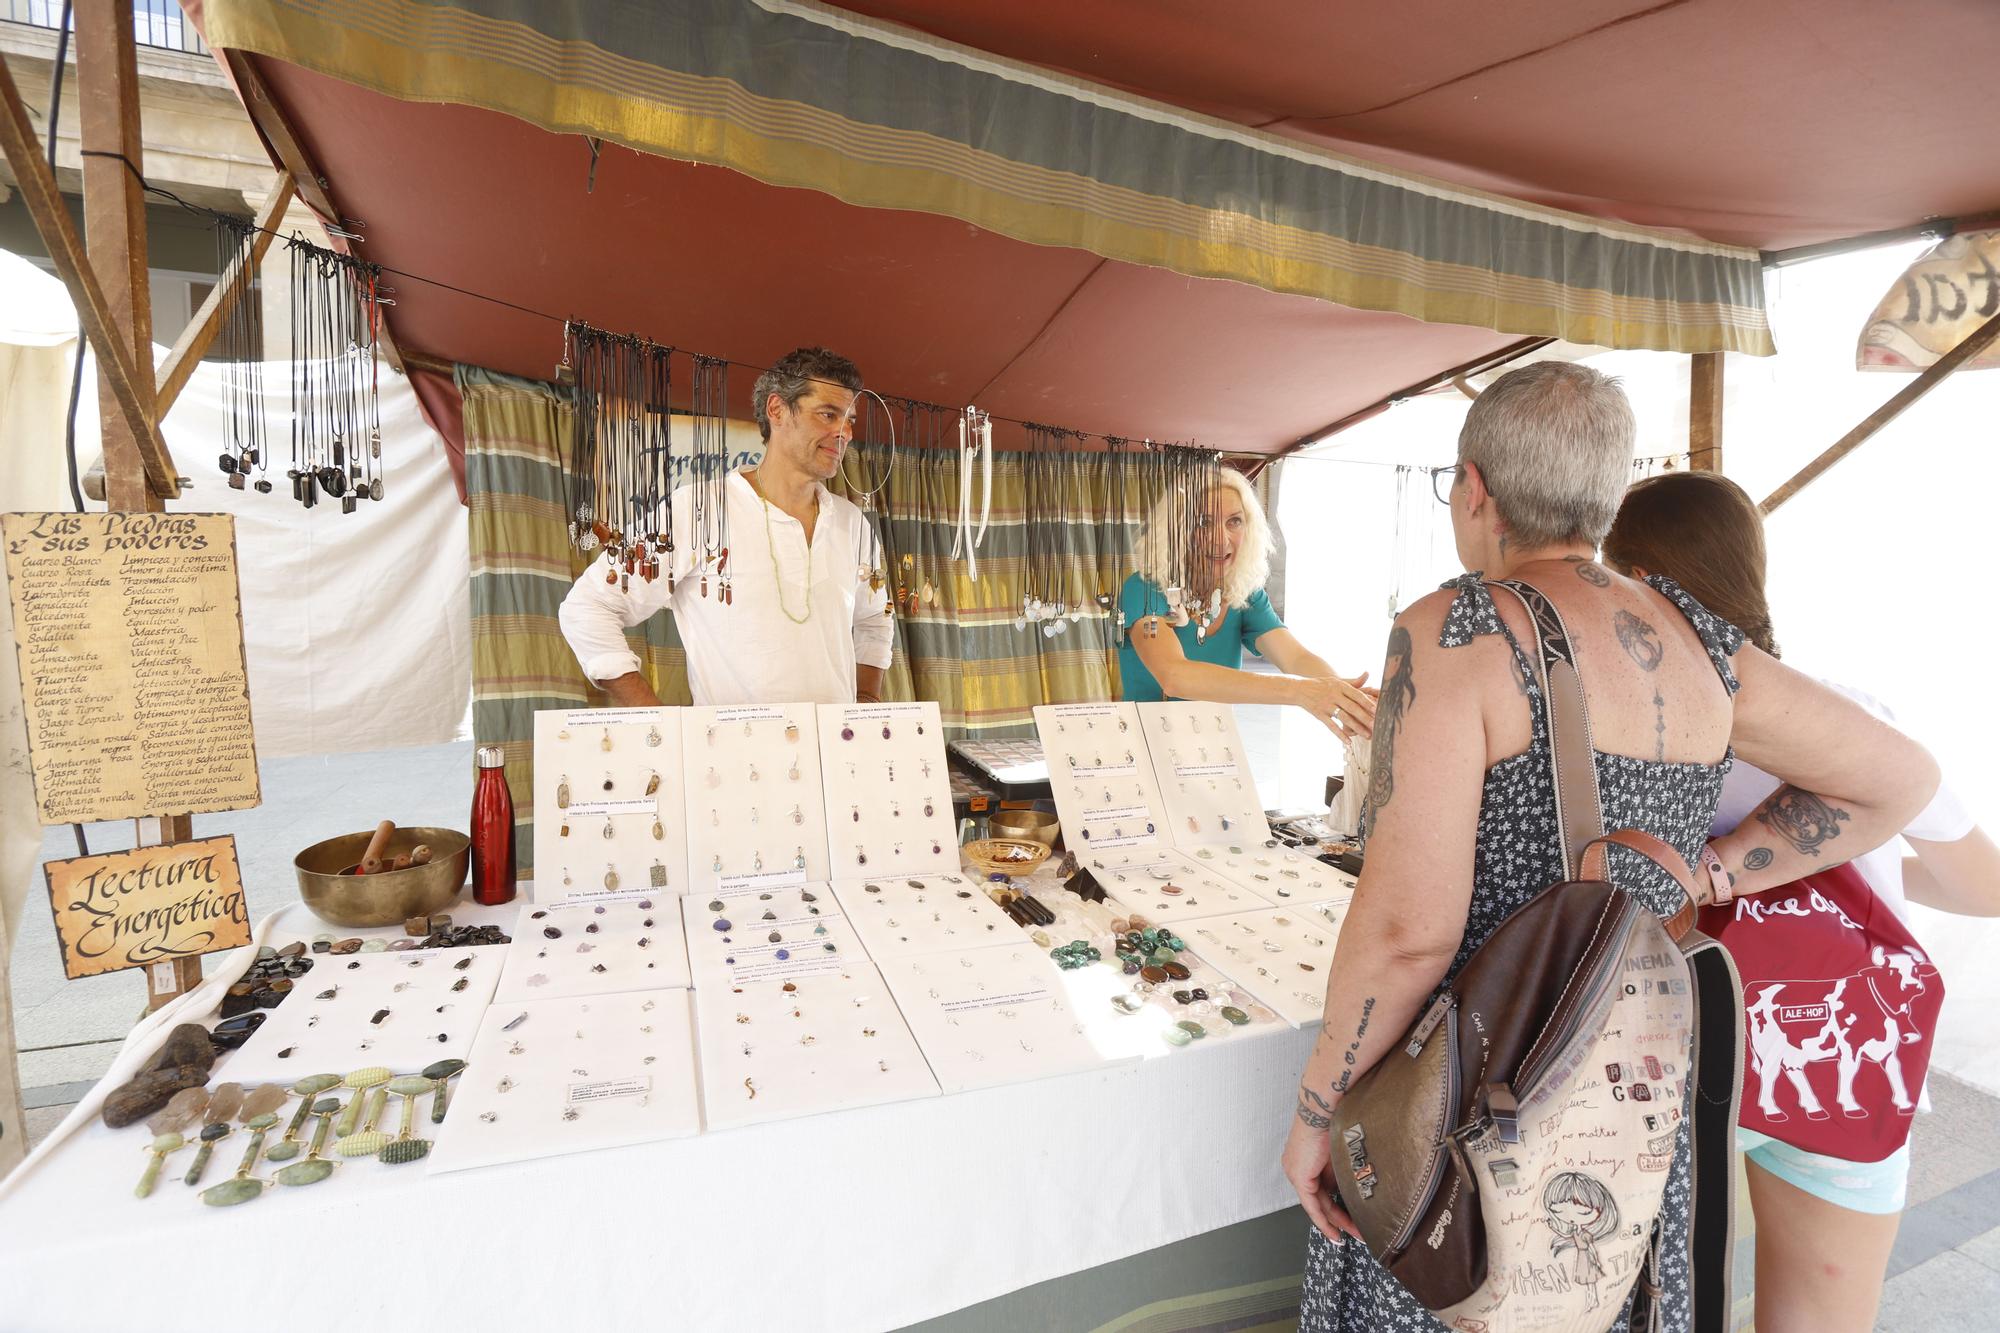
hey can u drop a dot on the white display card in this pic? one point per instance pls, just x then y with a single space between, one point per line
898 918
574 1074
1203 773
1281 874
428 1002
1280 955
888 790
992 1016
739 936
602 945
1173 887
642 810
754 801
1105 790
774 1050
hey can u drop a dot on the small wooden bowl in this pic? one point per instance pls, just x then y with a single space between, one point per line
1006 856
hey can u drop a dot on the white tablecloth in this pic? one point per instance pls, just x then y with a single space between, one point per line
865 1219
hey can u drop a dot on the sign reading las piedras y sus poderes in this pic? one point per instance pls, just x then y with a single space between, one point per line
137 908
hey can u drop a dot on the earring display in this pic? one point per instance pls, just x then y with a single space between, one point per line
888 790
1281 955
580 1073
900 918
738 936
774 1050
400 1010
606 944
1276 872
1203 772
991 1016
610 813
1105 789
750 769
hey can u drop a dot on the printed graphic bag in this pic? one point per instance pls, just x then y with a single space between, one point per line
1840 1007
1507 1161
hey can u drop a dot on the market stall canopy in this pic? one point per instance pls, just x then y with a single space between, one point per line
1186 259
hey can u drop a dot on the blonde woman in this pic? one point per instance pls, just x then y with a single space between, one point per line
1169 654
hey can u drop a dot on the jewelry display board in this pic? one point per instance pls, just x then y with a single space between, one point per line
888 789
401 1010
755 812
1105 790
1203 772
992 1016
900 918
1280 955
595 944
1174 888
774 1050
738 936
574 1074
609 812
1281 873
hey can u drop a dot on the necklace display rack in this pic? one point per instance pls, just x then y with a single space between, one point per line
595 944
991 1016
741 935
573 1074
399 1010
901 918
756 815
888 790
1280 955
610 815
1106 793
831 1042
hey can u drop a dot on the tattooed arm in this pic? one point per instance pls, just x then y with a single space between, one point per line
1408 914
1850 781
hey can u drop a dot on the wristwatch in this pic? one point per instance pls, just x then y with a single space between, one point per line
1720 888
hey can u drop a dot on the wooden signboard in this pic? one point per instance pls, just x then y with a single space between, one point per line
146 906
130 635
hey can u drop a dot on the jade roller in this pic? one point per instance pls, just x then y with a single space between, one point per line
243 1187
406 1149
162 1145
315 1167
360 1080
285 1149
443 1071
367 1142
223 1103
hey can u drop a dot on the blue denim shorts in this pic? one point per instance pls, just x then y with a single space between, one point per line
1862 1187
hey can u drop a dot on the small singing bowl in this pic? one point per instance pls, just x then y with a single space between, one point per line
1006 856
389 897
1027 825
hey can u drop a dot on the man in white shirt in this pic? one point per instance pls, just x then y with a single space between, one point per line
808 619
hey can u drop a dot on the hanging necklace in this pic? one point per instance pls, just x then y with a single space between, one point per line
771 545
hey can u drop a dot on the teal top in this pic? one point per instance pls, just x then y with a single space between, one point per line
1223 645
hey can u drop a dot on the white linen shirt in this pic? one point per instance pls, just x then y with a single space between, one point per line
750 651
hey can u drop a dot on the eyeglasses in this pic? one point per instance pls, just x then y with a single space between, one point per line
1442 480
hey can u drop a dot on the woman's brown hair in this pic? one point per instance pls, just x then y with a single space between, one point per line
1702 531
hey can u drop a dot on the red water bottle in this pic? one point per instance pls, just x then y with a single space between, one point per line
492 830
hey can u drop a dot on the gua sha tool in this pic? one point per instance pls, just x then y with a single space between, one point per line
243 1187
367 1142
285 1149
223 1104
442 1074
162 1145
406 1149
315 1167
360 1080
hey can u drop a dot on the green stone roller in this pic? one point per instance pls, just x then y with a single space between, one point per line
315 1168
211 1134
367 1142
360 1080
406 1149
443 1071
243 1187
285 1149
162 1145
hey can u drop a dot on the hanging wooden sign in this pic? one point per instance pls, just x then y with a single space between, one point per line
130 635
148 905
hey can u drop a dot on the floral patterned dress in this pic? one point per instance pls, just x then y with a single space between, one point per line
1518 854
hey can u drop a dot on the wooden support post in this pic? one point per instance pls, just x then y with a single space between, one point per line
1705 412
1975 343
200 334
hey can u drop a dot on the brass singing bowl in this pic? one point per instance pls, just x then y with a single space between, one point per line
390 897
1031 825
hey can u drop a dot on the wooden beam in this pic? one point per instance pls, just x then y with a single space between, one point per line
1511 352
200 334
1975 343
1705 412
131 397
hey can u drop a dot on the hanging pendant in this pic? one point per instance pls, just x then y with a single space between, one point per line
562 793
607 782
608 833
860 855
799 859
610 878
753 773
936 848
717 867
659 829
798 816
757 864
565 829
885 731
714 779
792 732
605 744
930 807
653 736
794 773
652 784
658 877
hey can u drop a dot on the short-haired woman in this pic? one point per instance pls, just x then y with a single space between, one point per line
1463 824
1825 1225
1169 654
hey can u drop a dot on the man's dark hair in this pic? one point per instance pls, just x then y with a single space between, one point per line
794 376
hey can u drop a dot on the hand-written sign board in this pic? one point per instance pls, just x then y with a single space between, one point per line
132 909
130 635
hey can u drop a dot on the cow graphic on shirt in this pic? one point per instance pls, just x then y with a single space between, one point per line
1854 1020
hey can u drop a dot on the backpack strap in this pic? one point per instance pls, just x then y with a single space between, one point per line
1579 812
1662 854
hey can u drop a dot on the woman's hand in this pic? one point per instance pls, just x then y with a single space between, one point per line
1308 1151
1341 703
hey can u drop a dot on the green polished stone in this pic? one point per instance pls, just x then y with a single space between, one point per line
1162 956
1174 1036
283 1151
444 1068
1234 1015
404 1150
232 1192
411 1085
1194 1030
309 1172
